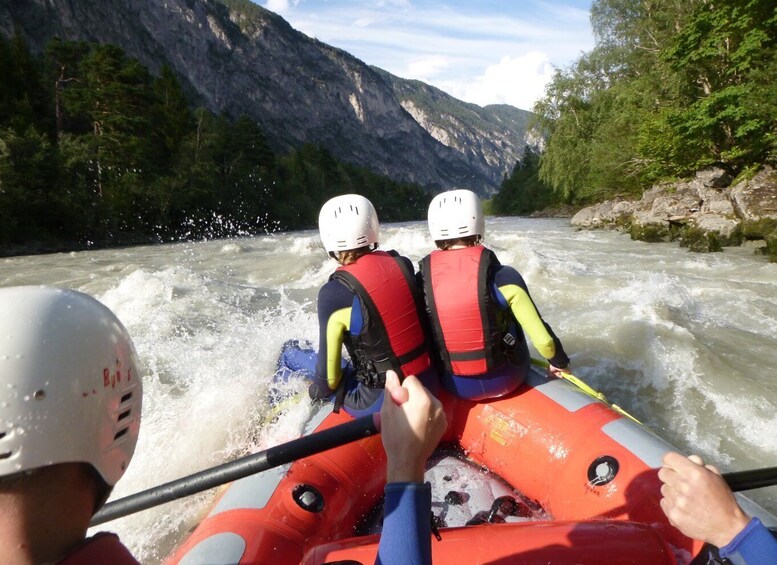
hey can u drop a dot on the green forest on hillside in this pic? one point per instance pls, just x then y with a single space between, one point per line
670 88
94 150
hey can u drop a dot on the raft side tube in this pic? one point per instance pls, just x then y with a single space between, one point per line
615 542
572 454
278 528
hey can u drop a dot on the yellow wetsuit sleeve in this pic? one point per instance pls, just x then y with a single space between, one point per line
526 313
339 323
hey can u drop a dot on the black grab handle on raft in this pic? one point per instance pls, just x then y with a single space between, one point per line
239 468
755 478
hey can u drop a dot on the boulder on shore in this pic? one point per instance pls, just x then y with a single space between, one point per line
704 213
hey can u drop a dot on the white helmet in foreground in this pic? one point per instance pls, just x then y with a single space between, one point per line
71 388
454 214
348 222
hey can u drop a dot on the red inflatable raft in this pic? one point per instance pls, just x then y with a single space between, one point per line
590 471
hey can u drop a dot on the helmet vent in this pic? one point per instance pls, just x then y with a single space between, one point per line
5 454
120 433
124 414
463 229
125 398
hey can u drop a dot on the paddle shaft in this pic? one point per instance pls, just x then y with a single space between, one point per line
756 478
239 468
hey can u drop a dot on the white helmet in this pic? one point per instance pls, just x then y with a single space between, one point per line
70 388
455 214
348 222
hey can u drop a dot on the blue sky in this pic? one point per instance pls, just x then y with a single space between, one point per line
487 52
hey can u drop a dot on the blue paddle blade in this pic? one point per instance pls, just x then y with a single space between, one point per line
296 360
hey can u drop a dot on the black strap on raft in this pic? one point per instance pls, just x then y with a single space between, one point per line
709 556
507 505
435 519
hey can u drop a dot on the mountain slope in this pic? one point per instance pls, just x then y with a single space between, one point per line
238 58
491 138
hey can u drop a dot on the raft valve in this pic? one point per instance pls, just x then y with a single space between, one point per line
602 470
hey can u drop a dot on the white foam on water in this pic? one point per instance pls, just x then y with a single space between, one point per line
304 245
411 240
232 248
209 354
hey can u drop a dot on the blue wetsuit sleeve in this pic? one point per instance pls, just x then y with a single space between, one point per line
755 545
506 276
407 526
332 297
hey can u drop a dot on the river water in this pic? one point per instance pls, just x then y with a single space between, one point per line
687 343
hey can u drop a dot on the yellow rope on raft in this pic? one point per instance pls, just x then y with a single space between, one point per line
579 383
285 404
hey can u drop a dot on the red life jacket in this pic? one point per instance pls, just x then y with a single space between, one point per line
468 329
101 549
392 336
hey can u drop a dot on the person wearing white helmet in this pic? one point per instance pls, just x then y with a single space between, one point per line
372 306
70 402
479 310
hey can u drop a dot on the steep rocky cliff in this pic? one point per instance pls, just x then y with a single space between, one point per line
238 58
491 138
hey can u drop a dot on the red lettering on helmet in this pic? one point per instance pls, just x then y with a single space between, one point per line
106 377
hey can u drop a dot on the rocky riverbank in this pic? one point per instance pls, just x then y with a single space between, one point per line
704 214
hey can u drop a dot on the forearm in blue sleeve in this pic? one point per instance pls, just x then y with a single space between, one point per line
407 526
510 283
755 545
332 298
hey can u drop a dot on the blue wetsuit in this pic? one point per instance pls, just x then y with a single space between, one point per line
340 313
407 527
335 302
755 545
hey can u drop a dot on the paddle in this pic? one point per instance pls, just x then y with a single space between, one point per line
242 467
755 478
579 383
